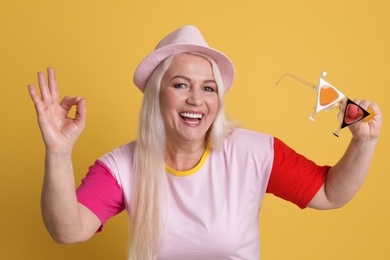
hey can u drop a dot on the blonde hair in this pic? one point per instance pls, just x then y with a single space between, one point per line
221 126
146 221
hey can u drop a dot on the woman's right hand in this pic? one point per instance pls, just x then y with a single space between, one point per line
59 131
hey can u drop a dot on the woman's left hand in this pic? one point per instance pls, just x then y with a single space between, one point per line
365 129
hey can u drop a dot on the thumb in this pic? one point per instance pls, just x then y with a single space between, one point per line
81 112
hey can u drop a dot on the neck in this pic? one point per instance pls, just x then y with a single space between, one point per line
183 157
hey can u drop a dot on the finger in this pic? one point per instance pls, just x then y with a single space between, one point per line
68 102
363 103
80 116
342 104
33 93
39 106
53 87
357 101
375 108
81 112
45 93
375 112
369 107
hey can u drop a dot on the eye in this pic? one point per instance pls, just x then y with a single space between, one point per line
180 86
209 89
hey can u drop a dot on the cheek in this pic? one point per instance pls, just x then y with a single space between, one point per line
164 102
166 113
167 104
213 105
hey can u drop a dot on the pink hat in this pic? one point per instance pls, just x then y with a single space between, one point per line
185 39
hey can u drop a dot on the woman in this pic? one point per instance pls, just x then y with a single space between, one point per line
192 183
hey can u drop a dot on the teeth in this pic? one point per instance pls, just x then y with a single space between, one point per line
191 115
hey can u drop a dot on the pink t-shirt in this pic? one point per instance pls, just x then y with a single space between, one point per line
211 211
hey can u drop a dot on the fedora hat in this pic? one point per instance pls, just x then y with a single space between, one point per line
185 39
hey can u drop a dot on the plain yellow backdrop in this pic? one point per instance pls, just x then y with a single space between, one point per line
95 47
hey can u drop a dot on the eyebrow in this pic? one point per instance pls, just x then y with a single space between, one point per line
188 79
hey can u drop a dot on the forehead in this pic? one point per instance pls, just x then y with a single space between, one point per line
187 61
190 64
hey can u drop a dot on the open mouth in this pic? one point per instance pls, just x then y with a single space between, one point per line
193 118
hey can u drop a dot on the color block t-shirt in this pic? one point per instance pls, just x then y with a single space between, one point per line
212 210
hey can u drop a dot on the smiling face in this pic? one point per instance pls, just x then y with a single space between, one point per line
188 99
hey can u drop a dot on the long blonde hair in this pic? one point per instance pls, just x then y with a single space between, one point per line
146 221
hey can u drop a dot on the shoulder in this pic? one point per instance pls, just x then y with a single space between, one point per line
120 160
249 138
246 145
123 152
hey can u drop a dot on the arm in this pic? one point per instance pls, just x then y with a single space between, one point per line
346 177
66 220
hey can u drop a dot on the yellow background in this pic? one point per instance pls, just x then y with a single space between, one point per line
95 47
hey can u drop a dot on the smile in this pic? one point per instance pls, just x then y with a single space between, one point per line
192 118
191 115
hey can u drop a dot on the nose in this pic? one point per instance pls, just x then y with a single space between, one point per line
195 98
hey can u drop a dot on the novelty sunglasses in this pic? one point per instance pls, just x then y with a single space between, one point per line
329 97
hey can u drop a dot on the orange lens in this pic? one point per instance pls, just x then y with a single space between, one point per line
327 95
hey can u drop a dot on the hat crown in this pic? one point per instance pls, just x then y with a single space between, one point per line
187 39
185 35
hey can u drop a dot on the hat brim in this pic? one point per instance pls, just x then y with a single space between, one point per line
150 62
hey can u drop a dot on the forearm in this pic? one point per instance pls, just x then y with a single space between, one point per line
66 220
60 209
348 175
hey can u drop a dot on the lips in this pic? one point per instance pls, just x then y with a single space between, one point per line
191 118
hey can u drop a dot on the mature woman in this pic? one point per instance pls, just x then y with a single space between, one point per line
192 183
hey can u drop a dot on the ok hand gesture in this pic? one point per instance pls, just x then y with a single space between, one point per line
59 131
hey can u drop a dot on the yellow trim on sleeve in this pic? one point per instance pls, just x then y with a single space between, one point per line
193 170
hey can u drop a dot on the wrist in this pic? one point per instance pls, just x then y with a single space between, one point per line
365 144
58 156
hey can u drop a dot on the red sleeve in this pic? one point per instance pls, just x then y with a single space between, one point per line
100 192
294 177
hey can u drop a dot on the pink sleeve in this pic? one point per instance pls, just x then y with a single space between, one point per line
294 177
100 192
